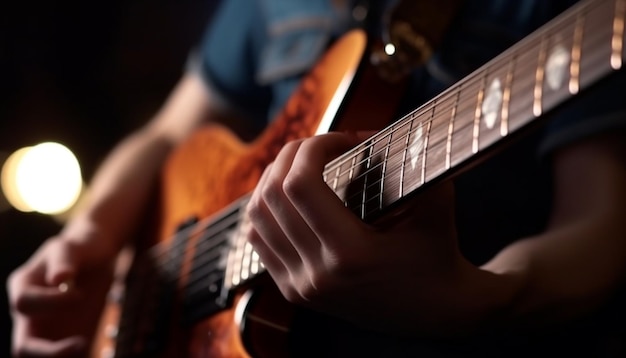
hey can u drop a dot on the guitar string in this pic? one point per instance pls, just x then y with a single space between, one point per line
441 120
461 127
397 151
204 224
394 168
359 194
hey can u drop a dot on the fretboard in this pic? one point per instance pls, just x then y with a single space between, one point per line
555 63
569 54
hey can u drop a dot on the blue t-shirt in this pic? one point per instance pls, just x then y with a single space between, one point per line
255 52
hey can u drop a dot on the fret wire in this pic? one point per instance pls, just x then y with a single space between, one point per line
574 83
539 75
236 273
478 114
352 166
364 196
506 98
404 153
617 40
385 159
350 177
432 117
246 261
229 265
451 129
255 267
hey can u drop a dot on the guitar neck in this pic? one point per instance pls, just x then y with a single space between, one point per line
556 62
569 54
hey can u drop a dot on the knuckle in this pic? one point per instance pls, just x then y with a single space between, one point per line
253 209
340 265
271 191
295 184
293 145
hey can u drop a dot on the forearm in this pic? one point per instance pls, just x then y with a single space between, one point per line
563 273
570 268
119 191
580 259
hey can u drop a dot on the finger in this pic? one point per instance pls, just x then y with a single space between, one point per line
316 202
258 218
40 300
285 217
282 277
37 347
25 345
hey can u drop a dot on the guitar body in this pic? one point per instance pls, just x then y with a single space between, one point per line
206 174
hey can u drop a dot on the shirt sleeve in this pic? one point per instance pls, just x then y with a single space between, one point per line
227 57
254 53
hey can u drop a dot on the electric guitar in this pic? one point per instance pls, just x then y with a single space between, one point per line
196 288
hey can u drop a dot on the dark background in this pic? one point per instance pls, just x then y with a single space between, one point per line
83 74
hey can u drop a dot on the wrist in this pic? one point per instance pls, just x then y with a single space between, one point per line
85 231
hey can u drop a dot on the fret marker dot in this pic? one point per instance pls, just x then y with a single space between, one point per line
556 67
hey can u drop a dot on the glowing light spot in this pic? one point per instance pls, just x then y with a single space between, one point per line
390 49
45 178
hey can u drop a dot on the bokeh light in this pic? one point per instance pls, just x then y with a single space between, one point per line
45 178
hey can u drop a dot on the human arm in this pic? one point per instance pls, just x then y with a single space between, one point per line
580 259
410 277
84 251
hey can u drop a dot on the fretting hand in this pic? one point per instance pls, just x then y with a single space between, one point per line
321 255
